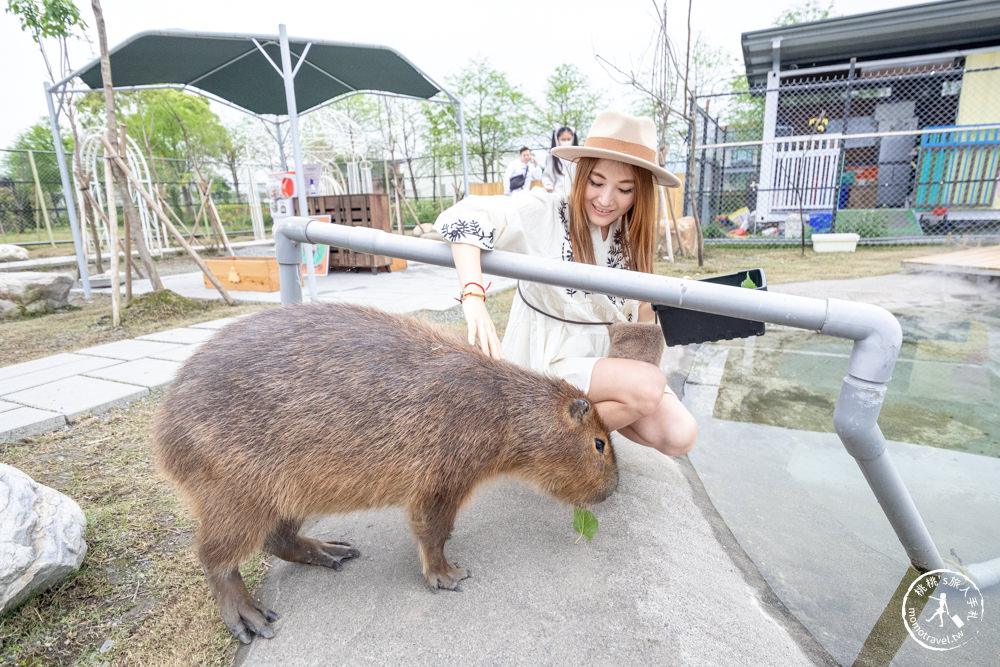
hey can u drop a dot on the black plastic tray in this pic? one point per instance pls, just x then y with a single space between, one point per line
683 327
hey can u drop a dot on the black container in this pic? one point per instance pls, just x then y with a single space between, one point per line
682 327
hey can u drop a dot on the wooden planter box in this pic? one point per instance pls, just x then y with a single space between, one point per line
252 274
369 210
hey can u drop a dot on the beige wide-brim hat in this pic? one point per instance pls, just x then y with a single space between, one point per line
618 136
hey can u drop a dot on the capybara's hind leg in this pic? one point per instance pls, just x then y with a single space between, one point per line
241 613
222 545
432 524
286 543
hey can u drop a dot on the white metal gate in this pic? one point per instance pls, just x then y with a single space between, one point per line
806 172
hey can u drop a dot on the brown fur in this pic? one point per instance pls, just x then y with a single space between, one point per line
637 340
326 408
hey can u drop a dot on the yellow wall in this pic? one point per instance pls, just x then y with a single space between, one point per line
980 100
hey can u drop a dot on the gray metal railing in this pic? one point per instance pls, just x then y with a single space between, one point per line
876 334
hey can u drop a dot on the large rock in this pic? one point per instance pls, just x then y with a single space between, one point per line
31 292
12 253
41 537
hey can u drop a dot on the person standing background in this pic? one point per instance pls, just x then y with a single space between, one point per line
521 172
559 173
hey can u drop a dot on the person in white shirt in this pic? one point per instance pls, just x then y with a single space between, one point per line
523 171
558 175
608 219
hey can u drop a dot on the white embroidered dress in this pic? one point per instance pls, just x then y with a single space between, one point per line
537 223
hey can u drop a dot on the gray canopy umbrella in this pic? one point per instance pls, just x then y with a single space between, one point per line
262 75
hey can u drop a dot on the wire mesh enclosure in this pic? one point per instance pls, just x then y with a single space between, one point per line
896 154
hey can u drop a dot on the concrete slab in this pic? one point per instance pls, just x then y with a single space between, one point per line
182 353
34 366
215 325
129 350
655 586
78 395
803 512
68 366
184 335
7 405
142 372
21 422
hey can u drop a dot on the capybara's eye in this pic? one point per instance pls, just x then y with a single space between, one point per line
599 444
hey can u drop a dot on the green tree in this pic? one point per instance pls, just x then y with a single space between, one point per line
744 112
57 19
569 101
497 114
17 168
810 10
439 134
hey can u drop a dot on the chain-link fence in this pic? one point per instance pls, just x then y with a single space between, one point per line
32 202
898 155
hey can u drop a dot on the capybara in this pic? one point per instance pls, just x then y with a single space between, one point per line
327 408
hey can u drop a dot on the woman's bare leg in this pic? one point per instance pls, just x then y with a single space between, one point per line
629 395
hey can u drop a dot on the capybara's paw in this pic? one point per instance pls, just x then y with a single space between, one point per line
332 554
448 579
248 617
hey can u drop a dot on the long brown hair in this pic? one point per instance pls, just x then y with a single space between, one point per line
638 224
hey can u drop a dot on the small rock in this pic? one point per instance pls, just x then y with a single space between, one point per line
41 537
12 253
30 292
106 646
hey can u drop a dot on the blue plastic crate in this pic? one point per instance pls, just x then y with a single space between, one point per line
820 222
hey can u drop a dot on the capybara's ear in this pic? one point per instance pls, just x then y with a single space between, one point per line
579 410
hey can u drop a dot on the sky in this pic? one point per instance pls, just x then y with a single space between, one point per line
438 36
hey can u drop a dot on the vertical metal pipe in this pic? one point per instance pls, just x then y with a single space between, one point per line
287 232
465 153
74 224
281 145
293 126
854 418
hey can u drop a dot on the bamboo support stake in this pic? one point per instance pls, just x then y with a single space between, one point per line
213 217
170 226
667 209
89 198
197 218
109 185
173 214
89 221
40 196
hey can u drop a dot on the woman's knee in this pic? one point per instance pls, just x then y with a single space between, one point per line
647 389
683 433
678 430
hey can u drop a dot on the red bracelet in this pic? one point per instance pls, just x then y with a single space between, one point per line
478 285
479 294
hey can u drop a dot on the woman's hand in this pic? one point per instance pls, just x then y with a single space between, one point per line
482 331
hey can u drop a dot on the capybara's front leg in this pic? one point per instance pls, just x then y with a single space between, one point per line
286 543
241 613
432 525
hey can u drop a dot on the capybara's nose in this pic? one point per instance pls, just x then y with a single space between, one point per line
610 486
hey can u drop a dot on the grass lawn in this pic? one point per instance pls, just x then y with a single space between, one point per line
140 596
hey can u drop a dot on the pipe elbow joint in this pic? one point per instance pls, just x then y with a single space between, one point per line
288 234
876 333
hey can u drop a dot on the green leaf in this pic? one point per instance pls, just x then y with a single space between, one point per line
584 523
748 283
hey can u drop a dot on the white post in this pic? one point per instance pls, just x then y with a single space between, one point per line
765 183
